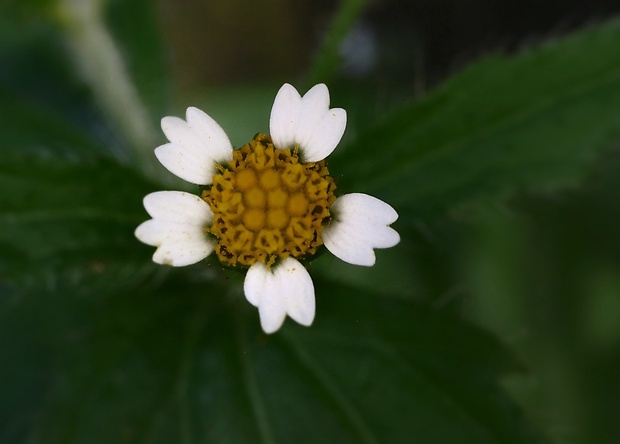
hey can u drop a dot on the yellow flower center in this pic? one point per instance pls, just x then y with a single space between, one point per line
268 205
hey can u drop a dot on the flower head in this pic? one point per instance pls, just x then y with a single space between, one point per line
265 206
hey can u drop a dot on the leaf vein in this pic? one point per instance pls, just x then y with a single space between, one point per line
351 413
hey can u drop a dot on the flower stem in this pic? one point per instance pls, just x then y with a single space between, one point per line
101 64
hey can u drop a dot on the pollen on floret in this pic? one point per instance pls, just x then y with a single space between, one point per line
268 205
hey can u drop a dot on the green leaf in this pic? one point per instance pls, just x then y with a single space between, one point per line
188 363
58 210
559 262
532 123
68 206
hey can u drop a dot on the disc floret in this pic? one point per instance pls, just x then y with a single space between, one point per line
267 204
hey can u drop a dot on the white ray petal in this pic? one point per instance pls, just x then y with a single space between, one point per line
187 163
177 227
361 223
307 121
297 286
178 131
272 313
177 244
178 206
257 279
314 104
285 289
262 290
211 134
285 115
322 140
196 146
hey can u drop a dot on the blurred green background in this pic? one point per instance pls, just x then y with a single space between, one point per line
492 127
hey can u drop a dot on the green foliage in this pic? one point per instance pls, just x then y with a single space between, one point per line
70 204
172 365
532 123
104 346
559 304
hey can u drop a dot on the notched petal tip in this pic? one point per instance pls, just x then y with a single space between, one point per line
388 238
321 141
271 320
143 233
300 291
176 227
193 110
307 121
213 137
287 88
177 244
286 97
391 215
254 283
317 98
169 123
350 250
196 145
361 224
284 117
180 255
186 163
179 207
286 289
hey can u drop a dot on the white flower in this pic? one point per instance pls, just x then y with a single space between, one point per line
265 204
